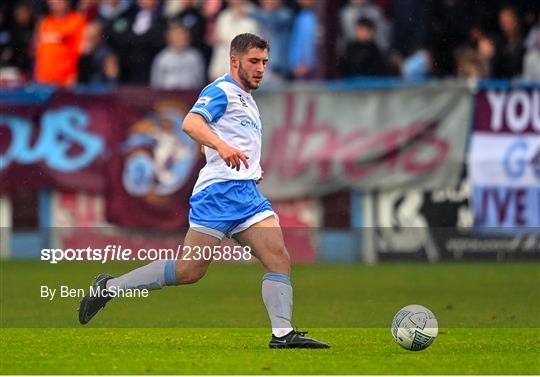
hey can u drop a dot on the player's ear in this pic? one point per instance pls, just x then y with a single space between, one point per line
234 61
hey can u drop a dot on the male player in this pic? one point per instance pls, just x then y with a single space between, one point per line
225 200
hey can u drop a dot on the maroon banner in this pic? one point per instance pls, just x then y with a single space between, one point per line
154 164
511 112
61 143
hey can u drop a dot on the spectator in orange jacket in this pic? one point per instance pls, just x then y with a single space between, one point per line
58 42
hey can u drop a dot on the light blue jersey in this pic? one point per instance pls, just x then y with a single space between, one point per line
232 114
226 201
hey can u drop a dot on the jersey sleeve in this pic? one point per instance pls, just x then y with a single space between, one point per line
211 104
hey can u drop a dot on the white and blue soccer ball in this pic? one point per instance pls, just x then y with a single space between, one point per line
415 327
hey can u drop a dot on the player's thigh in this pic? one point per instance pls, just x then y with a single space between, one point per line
194 260
265 239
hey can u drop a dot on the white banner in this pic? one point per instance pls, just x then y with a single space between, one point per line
504 160
317 140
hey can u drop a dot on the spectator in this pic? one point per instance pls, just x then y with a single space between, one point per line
115 17
357 9
137 37
58 44
5 35
362 56
531 62
410 25
274 24
475 59
468 64
89 9
232 21
508 60
178 66
451 23
486 49
303 41
113 10
18 39
476 62
210 10
171 8
191 18
97 63
531 40
417 66
8 75
529 11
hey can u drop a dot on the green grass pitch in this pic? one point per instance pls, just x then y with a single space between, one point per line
488 313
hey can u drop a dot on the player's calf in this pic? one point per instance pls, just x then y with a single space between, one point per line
152 276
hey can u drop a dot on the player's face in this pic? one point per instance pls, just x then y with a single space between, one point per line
251 67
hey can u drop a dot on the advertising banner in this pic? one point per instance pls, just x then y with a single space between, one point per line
436 225
504 160
61 144
319 141
153 164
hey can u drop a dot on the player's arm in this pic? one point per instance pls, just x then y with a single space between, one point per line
195 126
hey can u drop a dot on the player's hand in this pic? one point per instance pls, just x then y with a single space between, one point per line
262 177
232 156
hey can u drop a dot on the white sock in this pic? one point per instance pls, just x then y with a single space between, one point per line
277 297
151 276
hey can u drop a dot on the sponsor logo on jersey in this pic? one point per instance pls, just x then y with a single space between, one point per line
250 123
242 100
203 101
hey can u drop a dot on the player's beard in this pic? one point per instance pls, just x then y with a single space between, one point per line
244 77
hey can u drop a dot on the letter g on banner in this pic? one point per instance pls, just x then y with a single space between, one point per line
515 159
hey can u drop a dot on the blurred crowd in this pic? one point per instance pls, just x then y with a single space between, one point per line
183 44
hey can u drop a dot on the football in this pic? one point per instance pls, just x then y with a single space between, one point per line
414 327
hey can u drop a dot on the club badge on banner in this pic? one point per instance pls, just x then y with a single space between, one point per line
153 164
504 160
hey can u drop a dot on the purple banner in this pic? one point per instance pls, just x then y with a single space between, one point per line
504 160
513 112
154 164
127 145
62 144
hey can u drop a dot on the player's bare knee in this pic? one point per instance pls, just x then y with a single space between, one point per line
189 273
278 260
284 256
191 276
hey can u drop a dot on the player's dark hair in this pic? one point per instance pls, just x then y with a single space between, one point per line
242 43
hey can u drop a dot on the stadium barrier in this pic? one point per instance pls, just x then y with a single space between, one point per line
436 170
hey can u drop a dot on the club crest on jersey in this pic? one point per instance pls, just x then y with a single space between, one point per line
242 100
203 101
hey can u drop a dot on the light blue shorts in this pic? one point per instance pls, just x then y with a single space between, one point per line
225 208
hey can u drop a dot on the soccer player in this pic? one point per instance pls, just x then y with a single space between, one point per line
225 199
